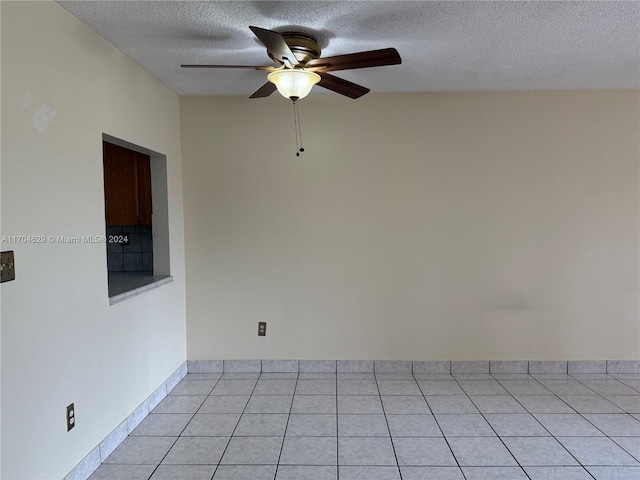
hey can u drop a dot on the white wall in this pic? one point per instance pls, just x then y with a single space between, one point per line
415 226
61 341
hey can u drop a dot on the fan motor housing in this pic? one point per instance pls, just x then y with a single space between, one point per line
303 46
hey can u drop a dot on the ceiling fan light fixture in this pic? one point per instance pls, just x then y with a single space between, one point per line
293 83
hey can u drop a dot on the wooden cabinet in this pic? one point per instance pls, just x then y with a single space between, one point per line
127 186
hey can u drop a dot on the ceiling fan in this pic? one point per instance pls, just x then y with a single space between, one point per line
299 65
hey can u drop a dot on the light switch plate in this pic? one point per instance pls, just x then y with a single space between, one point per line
7 267
262 329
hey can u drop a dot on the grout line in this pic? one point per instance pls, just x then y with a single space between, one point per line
237 423
284 436
491 426
439 427
185 427
534 417
393 446
337 431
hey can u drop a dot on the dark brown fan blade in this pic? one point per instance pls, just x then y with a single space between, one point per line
341 86
373 58
254 67
275 44
265 90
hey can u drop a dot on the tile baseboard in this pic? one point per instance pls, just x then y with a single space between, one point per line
407 366
92 461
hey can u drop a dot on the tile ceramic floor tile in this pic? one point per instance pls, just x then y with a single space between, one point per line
615 473
482 387
464 425
319 376
473 376
433 376
316 387
212 425
240 376
162 425
597 451
394 376
451 404
360 404
314 404
567 386
398 387
357 387
366 451
234 387
141 450
298 472
180 404
252 451
193 387
524 387
431 473
224 404
628 403
481 452
278 375
439 387
423 452
261 425
615 425
567 425
630 444
413 426
634 383
269 404
122 472
309 451
539 451
369 473
275 387
243 472
497 404
405 405
311 425
557 473
196 451
517 425
494 473
362 426
589 404
543 404
610 387
184 472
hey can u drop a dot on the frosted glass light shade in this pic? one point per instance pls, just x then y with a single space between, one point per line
293 84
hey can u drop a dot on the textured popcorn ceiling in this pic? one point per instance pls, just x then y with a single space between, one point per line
444 45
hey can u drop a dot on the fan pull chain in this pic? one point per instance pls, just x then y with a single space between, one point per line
296 121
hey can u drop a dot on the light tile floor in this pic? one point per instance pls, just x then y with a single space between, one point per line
387 427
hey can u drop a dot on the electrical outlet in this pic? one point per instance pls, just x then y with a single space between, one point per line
71 417
262 329
7 266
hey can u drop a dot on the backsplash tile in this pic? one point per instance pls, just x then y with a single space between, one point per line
137 255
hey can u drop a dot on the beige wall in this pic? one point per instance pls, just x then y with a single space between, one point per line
415 226
61 341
